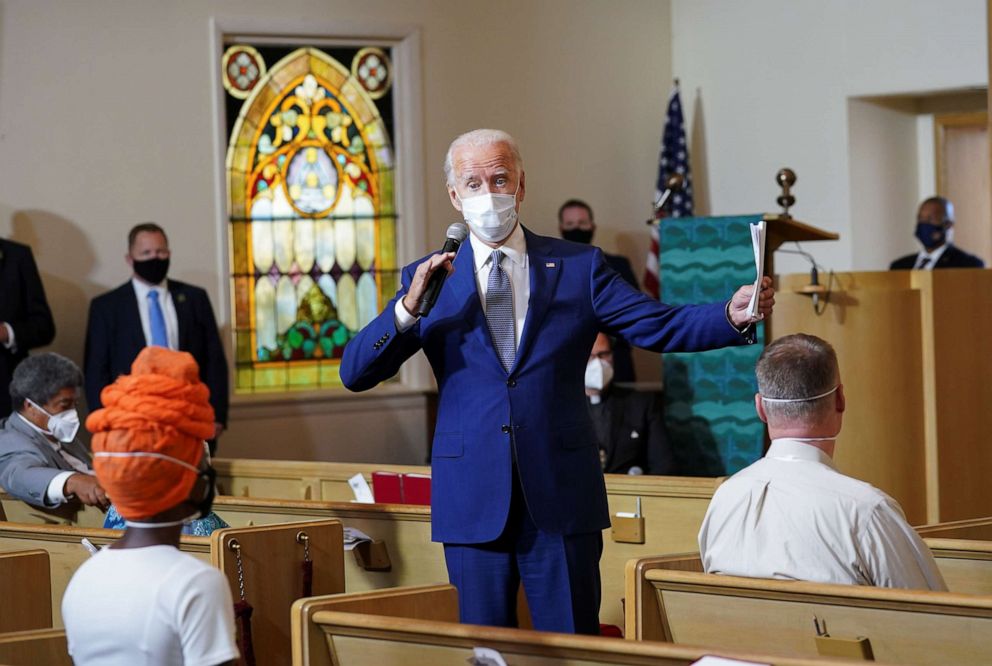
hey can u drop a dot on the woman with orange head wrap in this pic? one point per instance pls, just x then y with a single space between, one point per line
141 600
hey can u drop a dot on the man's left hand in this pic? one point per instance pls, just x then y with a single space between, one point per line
738 304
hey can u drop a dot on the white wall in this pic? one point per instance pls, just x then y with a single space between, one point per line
775 78
107 117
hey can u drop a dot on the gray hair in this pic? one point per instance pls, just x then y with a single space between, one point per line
797 366
39 378
480 137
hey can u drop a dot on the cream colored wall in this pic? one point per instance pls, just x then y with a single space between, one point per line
107 117
774 80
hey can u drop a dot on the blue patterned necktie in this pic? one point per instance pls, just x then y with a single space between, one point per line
160 338
499 311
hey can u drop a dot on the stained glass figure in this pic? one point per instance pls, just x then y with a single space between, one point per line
310 203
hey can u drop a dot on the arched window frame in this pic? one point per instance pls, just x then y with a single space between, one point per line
404 41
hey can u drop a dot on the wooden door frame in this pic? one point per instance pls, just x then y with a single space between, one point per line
941 123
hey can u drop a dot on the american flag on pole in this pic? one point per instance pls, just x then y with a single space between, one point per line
674 158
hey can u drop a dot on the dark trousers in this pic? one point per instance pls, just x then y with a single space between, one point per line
560 575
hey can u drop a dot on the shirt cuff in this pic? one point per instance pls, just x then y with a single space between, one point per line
56 488
748 332
404 320
11 343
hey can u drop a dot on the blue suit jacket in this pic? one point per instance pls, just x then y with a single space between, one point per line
537 412
114 338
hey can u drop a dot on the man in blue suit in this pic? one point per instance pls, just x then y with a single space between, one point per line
518 492
149 310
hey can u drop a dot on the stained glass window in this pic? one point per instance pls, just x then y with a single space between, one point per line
310 173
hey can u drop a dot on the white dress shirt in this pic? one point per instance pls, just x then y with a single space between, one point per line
516 264
141 290
792 515
934 256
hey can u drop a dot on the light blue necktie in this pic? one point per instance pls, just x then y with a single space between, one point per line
499 311
160 338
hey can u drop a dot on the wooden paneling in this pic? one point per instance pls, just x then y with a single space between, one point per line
872 321
25 587
33 648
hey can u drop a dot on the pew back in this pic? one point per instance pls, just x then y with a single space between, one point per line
66 552
978 529
903 626
438 603
35 647
24 576
353 638
267 563
672 508
965 565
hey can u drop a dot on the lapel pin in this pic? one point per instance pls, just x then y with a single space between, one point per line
181 298
550 264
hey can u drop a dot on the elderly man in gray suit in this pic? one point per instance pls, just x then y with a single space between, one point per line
41 460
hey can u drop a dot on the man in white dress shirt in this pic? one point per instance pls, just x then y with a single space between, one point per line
792 515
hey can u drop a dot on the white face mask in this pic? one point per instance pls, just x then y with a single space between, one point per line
809 399
491 216
62 426
599 374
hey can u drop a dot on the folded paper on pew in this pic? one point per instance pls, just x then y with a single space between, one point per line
486 657
360 487
710 660
353 537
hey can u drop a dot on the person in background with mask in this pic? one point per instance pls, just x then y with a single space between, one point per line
42 462
576 224
516 485
141 600
629 425
151 310
935 233
792 515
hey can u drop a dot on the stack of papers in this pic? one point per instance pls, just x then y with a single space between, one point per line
758 243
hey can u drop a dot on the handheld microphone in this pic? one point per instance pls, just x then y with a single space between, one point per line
456 234
672 185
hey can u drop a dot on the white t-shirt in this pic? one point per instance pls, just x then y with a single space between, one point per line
792 515
148 606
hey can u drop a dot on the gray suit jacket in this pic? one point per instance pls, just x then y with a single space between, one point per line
28 462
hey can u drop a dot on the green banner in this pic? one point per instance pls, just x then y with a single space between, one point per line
709 396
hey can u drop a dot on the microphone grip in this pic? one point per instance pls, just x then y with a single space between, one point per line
436 281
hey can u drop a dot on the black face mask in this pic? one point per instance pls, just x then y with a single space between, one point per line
583 236
206 505
152 271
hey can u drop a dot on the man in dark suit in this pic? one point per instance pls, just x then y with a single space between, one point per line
576 224
935 233
150 310
25 319
629 425
517 488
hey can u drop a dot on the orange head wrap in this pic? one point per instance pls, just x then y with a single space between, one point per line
161 408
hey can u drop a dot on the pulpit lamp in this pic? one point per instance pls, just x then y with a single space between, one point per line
786 178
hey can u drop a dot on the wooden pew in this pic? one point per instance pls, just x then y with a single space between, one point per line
965 565
24 575
34 647
266 563
672 507
66 552
903 626
979 529
416 627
